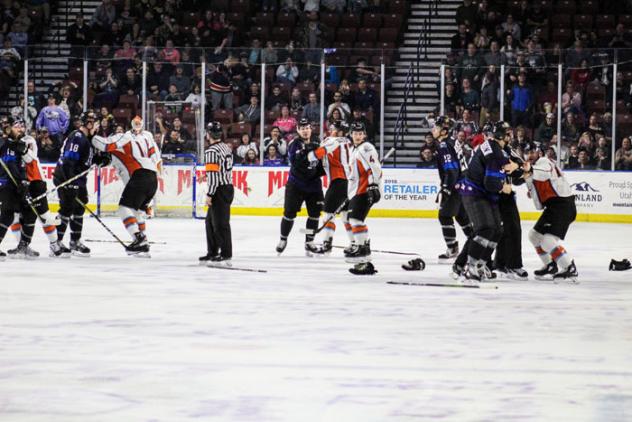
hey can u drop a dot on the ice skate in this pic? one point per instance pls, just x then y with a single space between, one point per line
205 259
311 249
3 256
359 254
547 272
517 274
364 268
219 261
449 255
569 274
348 248
281 246
416 264
59 250
457 271
79 249
325 248
472 276
139 247
23 251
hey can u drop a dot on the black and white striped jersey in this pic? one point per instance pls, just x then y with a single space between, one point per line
218 160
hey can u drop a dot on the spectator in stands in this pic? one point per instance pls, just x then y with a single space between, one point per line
176 144
311 111
22 22
221 88
9 58
426 159
173 95
103 59
573 157
581 76
269 54
521 97
276 139
106 126
275 100
520 140
310 73
181 82
68 103
103 16
471 66
481 39
311 39
195 97
585 142
461 39
575 55
571 99
179 127
158 80
246 145
621 38
602 159
548 98
286 122
467 13
287 73
466 125
510 49
489 96
583 161
494 56
254 55
343 108
333 6
345 90
623 156
362 71
126 54
54 119
606 124
594 127
114 36
512 27
48 149
451 100
43 6
251 158
537 18
469 98
296 101
272 157
365 98
536 63
33 99
546 130
570 128
335 117
17 112
170 54
131 84
251 111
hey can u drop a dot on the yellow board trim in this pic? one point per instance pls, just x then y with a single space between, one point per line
277 212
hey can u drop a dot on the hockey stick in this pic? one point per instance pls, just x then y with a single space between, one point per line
383 251
250 270
114 241
61 185
92 213
6 169
455 285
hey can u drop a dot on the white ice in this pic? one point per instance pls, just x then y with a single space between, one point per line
113 338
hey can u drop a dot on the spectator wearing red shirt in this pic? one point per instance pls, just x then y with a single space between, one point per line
285 122
170 54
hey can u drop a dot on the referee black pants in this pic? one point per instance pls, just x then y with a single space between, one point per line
218 234
509 249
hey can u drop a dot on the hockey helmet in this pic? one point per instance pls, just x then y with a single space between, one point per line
444 122
341 126
88 117
358 127
488 128
214 129
137 123
500 130
303 122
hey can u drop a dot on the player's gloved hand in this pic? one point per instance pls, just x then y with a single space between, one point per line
102 159
21 147
312 146
23 189
373 192
72 190
445 192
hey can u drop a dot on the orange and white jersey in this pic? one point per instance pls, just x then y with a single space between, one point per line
365 168
130 152
33 169
547 182
334 153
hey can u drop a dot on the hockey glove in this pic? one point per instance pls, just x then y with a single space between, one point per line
102 159
622 265
23 190
373 192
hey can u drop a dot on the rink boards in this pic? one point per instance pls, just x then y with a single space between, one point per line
600 196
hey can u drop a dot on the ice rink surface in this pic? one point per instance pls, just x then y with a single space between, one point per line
114 338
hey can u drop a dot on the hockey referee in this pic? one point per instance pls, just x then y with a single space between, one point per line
218 159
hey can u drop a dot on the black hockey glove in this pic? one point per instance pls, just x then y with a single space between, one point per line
102 159
71 191
23 190
373 192
21 147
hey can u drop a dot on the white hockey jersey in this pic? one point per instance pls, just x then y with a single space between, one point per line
547 182
33 168
365 169
130 152
334 153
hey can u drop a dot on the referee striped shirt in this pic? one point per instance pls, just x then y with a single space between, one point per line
218 159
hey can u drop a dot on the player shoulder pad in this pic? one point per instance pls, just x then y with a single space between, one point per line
28 139
368 147
486 148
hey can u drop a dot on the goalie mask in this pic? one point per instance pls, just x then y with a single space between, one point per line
137 123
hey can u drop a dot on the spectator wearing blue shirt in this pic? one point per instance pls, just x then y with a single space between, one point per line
54 118
521 97
273 158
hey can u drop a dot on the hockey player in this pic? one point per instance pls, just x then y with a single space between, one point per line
218 159
76 157
14 189
23 222
334 155
550 191
485 180
364 192
304 185
452 166
508 257
136 158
